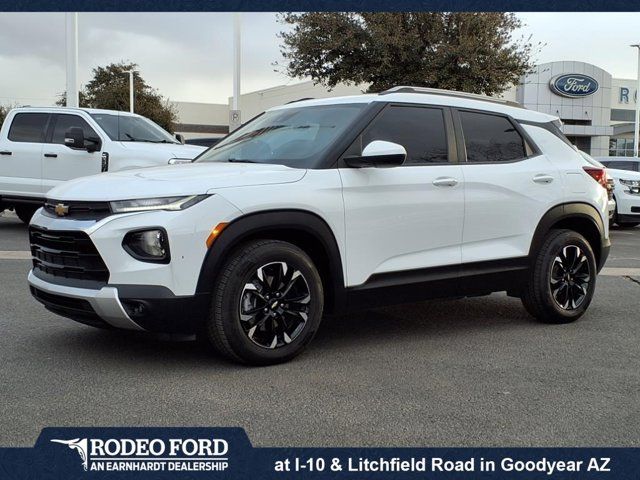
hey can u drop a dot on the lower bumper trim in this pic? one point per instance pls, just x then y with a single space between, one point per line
104 302
133 307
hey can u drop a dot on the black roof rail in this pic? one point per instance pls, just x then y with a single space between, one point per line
450 93
300 100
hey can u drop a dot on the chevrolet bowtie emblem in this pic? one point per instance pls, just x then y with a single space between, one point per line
61 209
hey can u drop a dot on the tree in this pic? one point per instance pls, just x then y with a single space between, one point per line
109 88
4 110
471 52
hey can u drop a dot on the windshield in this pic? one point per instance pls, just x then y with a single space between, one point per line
126 128
296 137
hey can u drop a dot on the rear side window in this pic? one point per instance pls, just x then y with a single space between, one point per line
28 127
631 166
491 138
65 122
420 130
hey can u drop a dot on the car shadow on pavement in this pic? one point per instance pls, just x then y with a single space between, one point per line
371 329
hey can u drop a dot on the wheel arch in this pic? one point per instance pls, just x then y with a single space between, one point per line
302 228
579 217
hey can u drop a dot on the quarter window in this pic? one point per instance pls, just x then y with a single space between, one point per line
65 122
28 127
420 130
491 138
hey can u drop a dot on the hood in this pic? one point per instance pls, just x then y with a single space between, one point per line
172 150
173 180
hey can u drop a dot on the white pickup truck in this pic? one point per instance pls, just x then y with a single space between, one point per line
42 147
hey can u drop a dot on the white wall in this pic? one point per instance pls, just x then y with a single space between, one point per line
202 113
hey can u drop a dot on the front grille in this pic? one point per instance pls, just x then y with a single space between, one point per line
66 254
78 210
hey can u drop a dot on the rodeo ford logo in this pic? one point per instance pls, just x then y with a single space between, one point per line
574 85
143 454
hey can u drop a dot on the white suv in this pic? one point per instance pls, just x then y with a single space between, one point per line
326 206
625 172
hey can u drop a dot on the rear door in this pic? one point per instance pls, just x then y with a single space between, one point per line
61 163
21 155
405 218
509 186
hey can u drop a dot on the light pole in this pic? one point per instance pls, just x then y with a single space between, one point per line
130 72
636 130
71 34
234 116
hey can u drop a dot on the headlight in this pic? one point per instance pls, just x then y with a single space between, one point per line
630 183
634 185
151 245
162 203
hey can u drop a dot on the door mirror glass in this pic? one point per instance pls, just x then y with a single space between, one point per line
74 138
379 154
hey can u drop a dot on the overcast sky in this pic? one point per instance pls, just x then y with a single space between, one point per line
188 57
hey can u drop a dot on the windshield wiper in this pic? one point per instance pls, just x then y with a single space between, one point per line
146 140
241 160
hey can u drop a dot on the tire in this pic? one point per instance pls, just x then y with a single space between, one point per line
558 291
25 213
260 300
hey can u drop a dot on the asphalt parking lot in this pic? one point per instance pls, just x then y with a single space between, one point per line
472 372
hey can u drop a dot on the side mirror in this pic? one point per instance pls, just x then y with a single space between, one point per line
74 138
379 154
93 144
180 138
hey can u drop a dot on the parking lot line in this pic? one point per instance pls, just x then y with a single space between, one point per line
15 255
620 272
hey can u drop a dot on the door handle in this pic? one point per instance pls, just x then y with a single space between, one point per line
5 152
543 178
445 182
51 155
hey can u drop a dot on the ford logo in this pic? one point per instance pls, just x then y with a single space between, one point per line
574 85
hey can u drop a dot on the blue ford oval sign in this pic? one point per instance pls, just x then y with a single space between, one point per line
574 85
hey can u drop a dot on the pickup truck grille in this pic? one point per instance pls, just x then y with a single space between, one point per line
78 210
66 254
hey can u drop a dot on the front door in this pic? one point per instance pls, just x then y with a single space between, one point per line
408 217
61 163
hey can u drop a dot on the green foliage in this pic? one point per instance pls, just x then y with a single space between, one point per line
109 89
4 110
471 52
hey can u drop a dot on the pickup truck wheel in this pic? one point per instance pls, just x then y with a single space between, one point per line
25 213
267 304
562 280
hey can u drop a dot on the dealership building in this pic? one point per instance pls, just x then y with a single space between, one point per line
597 110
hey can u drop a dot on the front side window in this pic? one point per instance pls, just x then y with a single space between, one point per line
420 130
65 122
28 127
298 137
491 138
128 128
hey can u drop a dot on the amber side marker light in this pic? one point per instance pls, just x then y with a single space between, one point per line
217 230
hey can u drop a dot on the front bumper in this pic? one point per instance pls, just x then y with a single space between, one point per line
129 307
133 295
